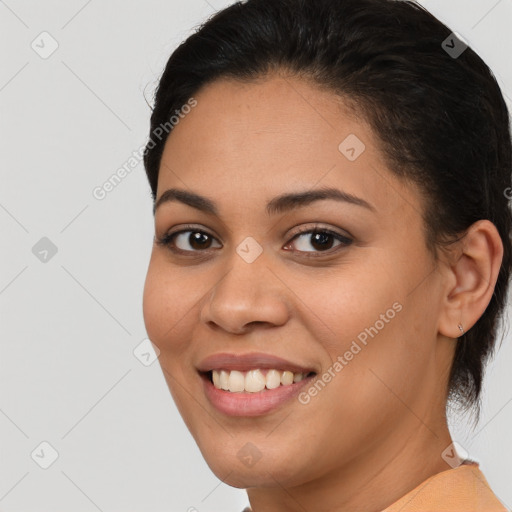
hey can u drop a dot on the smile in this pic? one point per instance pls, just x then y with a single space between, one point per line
252 384
252 403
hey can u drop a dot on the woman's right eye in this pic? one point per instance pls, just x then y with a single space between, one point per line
196 240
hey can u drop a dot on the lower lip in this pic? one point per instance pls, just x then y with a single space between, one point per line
251 404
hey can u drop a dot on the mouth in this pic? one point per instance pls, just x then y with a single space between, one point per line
255 392
252 384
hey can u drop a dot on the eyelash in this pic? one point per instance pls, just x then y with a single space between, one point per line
168 240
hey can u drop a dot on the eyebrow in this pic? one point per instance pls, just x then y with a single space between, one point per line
277 205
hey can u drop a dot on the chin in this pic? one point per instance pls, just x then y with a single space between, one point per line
247 467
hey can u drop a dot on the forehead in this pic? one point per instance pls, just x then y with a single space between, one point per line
273 134
276 110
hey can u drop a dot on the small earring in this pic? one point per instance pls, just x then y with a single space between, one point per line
461 329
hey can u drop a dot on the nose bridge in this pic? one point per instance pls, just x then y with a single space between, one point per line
247 293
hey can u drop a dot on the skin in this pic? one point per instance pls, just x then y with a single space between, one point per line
378 429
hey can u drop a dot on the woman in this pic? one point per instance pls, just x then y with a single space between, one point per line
332 251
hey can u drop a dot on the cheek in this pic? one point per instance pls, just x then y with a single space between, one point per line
383 356
154 304
351 303
166 301
369 318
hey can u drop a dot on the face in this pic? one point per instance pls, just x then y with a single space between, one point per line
339 288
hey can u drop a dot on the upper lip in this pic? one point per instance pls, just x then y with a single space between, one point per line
250 361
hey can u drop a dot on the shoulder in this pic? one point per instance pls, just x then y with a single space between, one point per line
462 489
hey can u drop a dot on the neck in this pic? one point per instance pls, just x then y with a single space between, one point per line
372 481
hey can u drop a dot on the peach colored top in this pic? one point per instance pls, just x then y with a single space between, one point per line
462 489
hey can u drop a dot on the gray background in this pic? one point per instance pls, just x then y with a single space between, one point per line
70 321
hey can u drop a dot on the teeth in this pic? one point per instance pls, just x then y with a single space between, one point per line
216 380
223 380
273 379
253 381
286 378
236 381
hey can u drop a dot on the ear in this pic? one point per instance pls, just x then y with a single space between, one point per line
471 278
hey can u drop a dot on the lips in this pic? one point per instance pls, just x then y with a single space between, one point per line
273 382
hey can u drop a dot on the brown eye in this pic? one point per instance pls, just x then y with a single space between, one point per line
319 240
190 240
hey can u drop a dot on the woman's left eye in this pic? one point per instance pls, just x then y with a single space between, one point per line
322 240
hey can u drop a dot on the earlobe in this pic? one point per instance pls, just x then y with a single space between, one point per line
473 277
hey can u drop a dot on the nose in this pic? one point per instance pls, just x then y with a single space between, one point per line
246 295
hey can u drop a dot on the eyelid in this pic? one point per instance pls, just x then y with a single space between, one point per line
319 227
